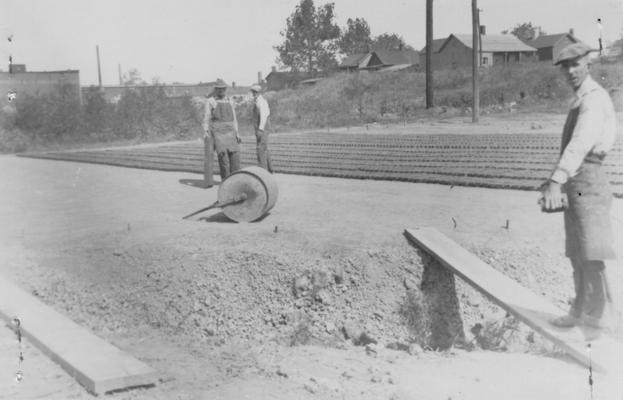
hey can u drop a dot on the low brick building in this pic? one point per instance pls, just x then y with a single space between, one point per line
38 83
114 93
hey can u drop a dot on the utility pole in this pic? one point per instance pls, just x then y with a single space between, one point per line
99 71
429 53
120 76
10 39
475 61
600 29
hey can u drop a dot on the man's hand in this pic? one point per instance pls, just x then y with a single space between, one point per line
206 134
552 196
238 138
259 132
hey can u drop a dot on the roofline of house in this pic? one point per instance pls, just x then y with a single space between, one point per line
162 84
534 49
41 72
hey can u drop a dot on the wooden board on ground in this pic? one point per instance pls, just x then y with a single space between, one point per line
534 310
96 364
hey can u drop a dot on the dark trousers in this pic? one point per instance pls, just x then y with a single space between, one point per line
208 161
263 155
228 162
590 288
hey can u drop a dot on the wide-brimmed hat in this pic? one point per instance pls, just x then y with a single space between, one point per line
573 51
256 88
220 83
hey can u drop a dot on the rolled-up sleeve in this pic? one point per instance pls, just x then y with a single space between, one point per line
264 111
589 124
233 111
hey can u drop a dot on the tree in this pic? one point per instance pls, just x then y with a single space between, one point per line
526 31
310 38
355 37
133 78
387 41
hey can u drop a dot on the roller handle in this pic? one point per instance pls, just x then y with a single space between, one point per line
235 200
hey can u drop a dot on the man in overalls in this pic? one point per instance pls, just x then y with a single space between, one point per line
261 111
588 135
220 124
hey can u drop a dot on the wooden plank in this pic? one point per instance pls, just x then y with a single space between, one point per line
96 364
534 310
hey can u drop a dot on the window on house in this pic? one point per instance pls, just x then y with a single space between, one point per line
485 61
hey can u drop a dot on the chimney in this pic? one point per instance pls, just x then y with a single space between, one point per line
571 31
259 78
274 69
233 84
483 30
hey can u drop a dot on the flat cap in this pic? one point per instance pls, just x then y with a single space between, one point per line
256 88
573 51
220 83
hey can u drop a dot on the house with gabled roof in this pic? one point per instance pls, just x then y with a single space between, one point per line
456 51
279 80
381 59
436 46
351 62
548 46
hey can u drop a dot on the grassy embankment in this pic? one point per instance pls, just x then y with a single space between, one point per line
57 121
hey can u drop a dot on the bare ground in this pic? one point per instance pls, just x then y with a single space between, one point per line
212 304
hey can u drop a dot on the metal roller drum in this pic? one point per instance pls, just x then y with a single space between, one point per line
248 194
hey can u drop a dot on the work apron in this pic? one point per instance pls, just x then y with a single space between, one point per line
587 219
222 127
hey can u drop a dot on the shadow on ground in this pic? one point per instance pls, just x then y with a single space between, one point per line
198 183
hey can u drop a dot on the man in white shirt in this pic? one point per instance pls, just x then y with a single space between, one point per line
261 111
221 126
588 135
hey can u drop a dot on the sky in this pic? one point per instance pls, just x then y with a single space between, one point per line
192 41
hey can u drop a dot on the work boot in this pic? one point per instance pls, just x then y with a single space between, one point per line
591 322
566 321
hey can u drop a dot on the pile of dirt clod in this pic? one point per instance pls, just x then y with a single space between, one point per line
395 296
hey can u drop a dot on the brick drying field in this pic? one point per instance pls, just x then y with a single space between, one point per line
510 161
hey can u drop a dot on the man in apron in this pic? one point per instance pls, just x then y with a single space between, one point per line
588 135
220 124
261 111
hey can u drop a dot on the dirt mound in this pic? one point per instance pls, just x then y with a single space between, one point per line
393 296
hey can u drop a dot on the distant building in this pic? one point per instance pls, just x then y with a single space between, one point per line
13 68
114 93
456 51
436 46
279 80
38 83
378 60
352 62
548 46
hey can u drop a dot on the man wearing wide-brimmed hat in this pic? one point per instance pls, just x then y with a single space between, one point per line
220 125
588 135
261 111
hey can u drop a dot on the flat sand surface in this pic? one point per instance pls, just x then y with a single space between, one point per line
84 238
